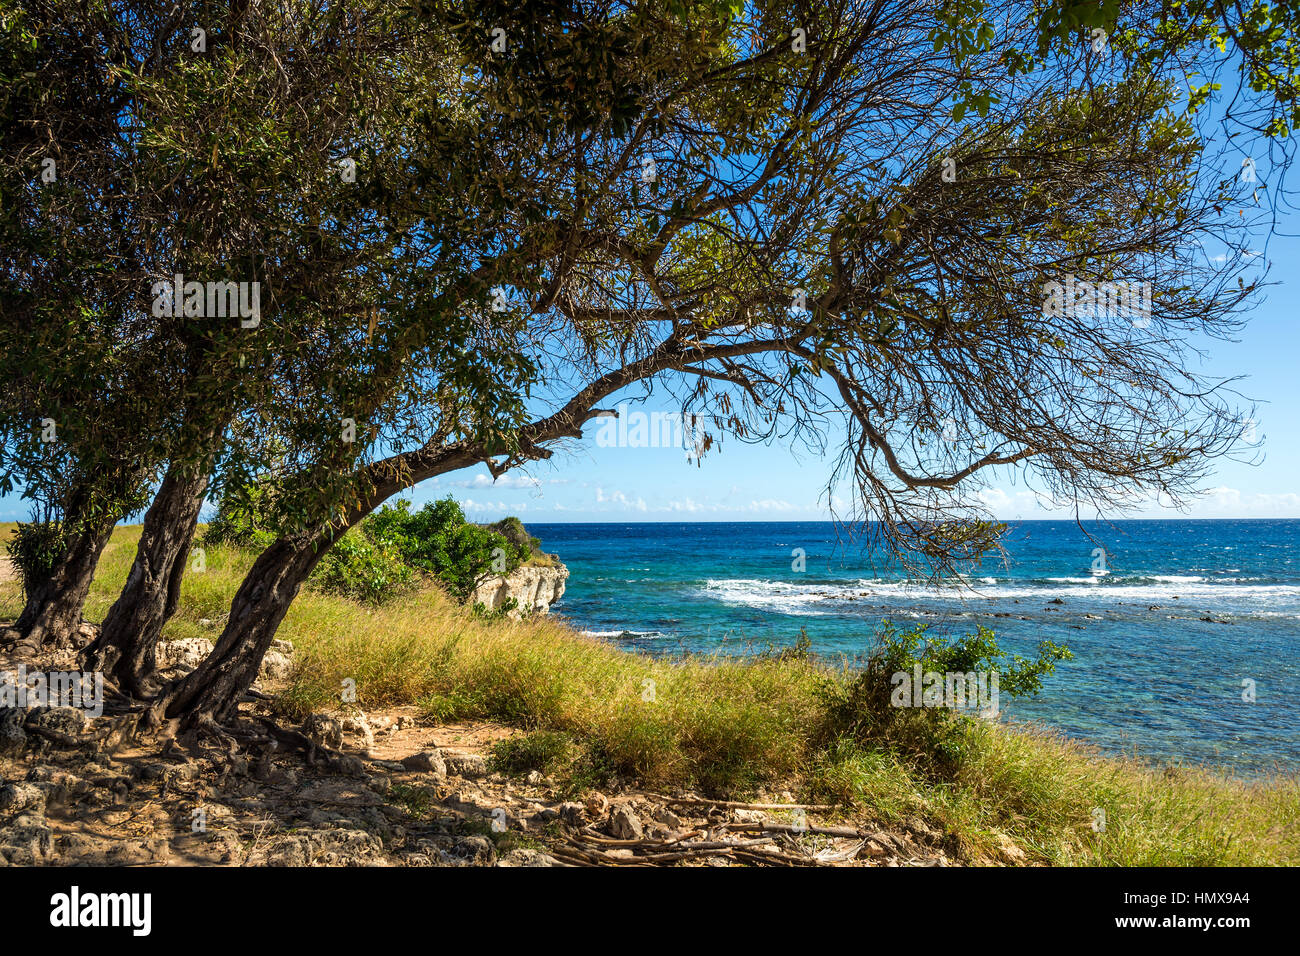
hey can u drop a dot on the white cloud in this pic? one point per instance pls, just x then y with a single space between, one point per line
995 499
1232 502
771 504
469 504
1220 502
686 504
1226 497
619 499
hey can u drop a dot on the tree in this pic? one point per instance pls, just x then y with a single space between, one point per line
799 252
231 152
64 413
803 220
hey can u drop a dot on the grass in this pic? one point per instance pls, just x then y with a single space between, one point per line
591 713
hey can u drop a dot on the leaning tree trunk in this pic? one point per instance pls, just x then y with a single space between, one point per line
209 694
126 647
52 614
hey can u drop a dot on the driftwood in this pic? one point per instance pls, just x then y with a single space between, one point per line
596 858
592 837
775 857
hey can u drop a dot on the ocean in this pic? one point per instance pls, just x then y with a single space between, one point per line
1166 618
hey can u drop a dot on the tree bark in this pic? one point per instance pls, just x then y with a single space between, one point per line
209 694
52 614
126 647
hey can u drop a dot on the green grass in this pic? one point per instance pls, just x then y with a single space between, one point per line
729 727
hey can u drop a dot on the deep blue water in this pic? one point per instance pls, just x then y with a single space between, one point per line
1163 640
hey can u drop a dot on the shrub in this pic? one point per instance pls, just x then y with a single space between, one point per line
547 751
470 553
34 548
367 571
437 539
934 740
242 517
513 530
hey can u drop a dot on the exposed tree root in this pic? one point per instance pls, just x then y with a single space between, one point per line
316 755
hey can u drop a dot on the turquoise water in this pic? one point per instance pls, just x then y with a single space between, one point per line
1165 626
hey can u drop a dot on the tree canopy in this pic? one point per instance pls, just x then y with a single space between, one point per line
957 235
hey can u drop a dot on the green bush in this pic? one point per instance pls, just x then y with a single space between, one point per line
33 550
363 570
933 740
513 530
243 517
439 540
547 751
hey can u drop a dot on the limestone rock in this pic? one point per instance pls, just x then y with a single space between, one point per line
624 825
63 720
12 736
359 726
22 797
428 761
275 666
185 654
534 589
326 847
522 856
667 818
466 765
475 850
26 841
323 731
